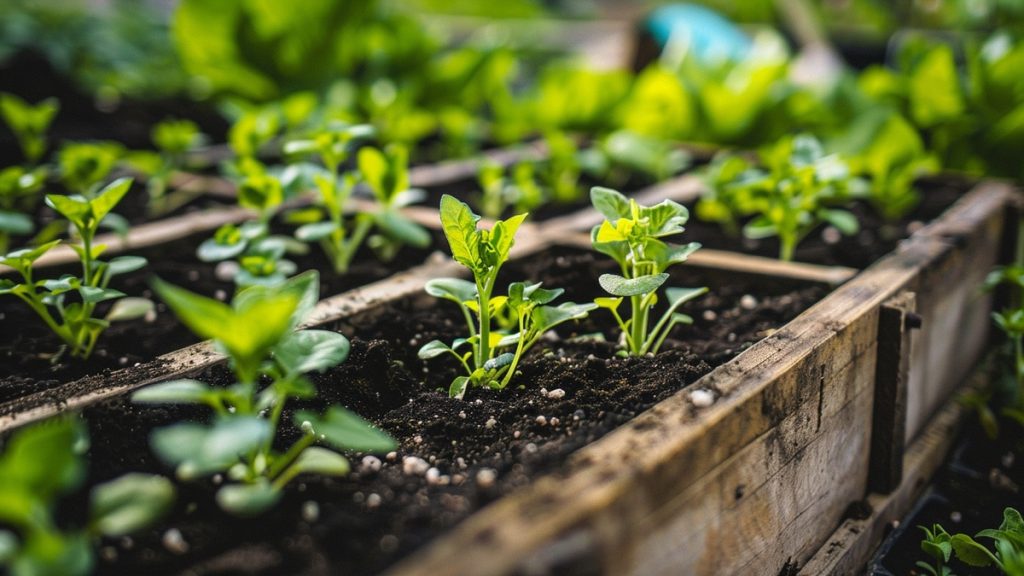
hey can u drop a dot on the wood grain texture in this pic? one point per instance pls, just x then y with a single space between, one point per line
889 419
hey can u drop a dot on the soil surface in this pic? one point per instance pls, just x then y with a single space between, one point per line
980 478
25 355
455 456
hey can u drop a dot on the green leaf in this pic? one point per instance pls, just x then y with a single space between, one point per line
109 197
311 351
609 303
15 223
458 223
403 229
458 387
248 500
130 308
454 289
547 317
610 203
345 430
499 361
970 552
315 231
43 458
130 503
183 391
619 286
125 264
74 209
93 295
317 460
1012 521
26 256
212 251
177 443
844 221
199 450
433 349
760 227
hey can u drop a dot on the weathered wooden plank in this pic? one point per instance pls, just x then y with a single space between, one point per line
896 319
853 543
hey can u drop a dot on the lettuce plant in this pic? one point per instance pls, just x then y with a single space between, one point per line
796 192
40 465
491 355
269 358
631 234
74 320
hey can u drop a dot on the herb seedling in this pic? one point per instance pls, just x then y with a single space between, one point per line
29 123
631 235
19 194
936 544
486 362
269 359
85 165
791 197
73 321
173 140
1008 541
499 193
44 463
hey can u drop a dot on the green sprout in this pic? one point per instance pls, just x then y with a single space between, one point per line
42 464
173 140
936 544
270 359
631 234
29 123
487 361
1008 541
19 195
85 165
519 192
74 321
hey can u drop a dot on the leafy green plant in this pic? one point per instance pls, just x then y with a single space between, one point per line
173 140
796 192
270 358
487 362
1008 541
85 165
937 544
29 123
74 321
40 465
631 234
518 192
19 195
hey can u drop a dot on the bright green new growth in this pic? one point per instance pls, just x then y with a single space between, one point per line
85 165
173 140
631 235
519 191
789 198
45 462
270 359
1008 541
73 321
29 123
487 362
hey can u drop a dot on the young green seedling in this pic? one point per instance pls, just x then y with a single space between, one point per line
936 544
173 140
73 321
499 192
487 361
270 358
85 165
29 123
1008 539
631 235
791 197
19 194
42 464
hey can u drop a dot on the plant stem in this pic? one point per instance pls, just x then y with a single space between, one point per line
484 302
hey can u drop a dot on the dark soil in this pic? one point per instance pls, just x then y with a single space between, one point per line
826 246
24 355
980 479
369 520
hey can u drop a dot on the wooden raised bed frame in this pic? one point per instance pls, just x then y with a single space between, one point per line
803 424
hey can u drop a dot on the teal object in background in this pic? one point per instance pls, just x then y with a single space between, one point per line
711 36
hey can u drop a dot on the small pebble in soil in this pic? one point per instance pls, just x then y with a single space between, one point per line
358 497
391 456
578 415
702 398
417 439
389 543
310 511
531 448
516 434
554 421
461 462
123 360
193 275
226 270
126 542
542 420
1008 459
414 466
174 542
831 235
731 337
370 464
220 295
462 414
373 501
556 394
491 423
955 516
486 477
710 315
748 302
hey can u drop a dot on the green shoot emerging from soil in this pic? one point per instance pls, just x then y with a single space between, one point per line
491 354
1008 541
269 359
72 320
42 464
631 235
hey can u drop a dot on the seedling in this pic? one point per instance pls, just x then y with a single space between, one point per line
791 197
936 544
257 332
173 140
631 235
487 362
40 465
19 194
73 321
1008 541
520 192
29 123
85 165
